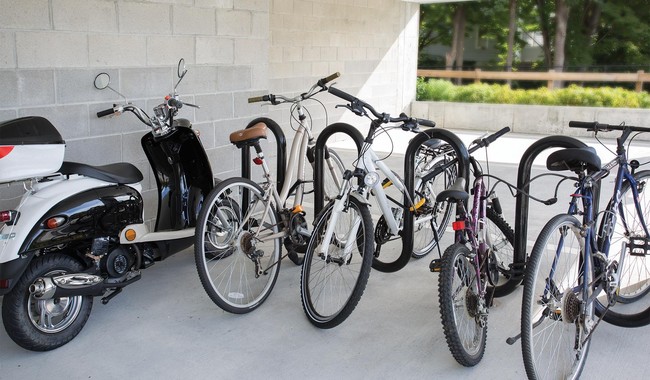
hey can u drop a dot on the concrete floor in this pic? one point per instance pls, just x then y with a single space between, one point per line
165 326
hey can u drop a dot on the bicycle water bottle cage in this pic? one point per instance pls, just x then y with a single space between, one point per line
249 136
574 159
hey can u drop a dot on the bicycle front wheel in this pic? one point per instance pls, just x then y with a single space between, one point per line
332 283
632 307
431 217
554 325
462 310
237 264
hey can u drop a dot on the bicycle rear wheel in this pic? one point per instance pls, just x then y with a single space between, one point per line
431 218
462 310
331 287
501 239
554 328
237 266
632 308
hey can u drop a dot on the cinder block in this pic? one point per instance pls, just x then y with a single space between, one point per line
234 23
223 159
234 78
94 151
206 133
35 87
7 115
84 15
252 5
214 50
166 50
51 49
7 50
77 86
260 75
201 80
214 107
70 120
153 82
144 18
282 6
251 51
117 50
225 4
132 148
292 54
25 14
192 20
9 85
260 25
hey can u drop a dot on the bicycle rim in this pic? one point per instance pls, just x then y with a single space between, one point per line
553 324
228 251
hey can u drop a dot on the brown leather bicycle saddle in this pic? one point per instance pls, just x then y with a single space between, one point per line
249 136
574 159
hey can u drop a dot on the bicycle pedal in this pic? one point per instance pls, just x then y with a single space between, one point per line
638 246
436 265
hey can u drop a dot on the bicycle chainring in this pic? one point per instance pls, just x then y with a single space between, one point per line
382 232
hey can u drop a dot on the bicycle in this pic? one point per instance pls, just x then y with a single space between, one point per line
572 280
242 223
468 268
341 252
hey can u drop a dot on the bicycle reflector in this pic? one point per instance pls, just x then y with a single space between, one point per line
458 225
8 216
258 161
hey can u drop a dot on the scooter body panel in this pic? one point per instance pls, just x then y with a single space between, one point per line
183 176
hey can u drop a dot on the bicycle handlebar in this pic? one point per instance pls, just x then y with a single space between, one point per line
278 99
357 106
106 112
600 127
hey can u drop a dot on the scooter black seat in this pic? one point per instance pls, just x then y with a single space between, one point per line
122 172
574 159
454 192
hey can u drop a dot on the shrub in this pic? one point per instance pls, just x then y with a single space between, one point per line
573 95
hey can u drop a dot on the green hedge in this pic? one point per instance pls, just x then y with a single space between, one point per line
573 95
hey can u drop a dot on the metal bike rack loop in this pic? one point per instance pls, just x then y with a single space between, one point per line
523 202
409 179
281 142
319 157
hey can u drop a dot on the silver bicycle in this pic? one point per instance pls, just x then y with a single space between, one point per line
242 224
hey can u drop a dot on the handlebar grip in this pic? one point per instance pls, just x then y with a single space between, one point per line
591 125
256 99
328 79
107 112
175 103
497 134
341 94
426 123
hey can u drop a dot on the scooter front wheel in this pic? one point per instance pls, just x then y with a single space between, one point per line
43 325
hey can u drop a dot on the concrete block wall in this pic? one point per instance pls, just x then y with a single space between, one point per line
51 50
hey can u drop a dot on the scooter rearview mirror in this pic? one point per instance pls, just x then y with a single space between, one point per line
181 68
102 80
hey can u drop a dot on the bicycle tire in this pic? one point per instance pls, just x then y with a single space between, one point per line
217 263
462 311
426 237
502 241
554 319
633 305
331 289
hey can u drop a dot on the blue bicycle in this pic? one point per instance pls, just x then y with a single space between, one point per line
587 266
